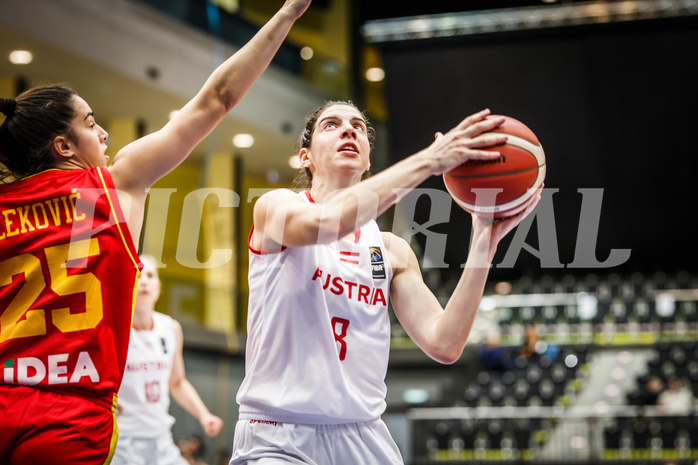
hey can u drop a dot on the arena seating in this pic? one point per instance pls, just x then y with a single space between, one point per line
517 415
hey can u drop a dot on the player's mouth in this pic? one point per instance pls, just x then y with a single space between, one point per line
349 148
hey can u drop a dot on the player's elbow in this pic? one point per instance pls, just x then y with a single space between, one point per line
447 354
229 101
175 385
225 96
449 359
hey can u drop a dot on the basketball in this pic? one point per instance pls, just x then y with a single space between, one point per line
500 186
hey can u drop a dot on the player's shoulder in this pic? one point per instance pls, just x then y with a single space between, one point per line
399 251
393 241
277 197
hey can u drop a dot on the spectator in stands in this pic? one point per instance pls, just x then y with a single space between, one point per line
532 344
676 398
536 349
650 394
494 357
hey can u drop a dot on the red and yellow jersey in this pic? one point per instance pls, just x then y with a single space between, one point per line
68 275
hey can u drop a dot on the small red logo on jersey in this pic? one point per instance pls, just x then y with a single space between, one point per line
349 257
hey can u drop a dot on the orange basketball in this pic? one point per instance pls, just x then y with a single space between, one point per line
500 187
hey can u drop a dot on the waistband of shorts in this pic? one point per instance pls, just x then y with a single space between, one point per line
284 416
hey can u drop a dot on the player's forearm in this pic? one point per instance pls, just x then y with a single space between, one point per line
352 207
455 324
186 397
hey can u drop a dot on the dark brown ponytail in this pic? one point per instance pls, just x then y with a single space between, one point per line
32 121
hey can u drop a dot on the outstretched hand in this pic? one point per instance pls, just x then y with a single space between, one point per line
467 141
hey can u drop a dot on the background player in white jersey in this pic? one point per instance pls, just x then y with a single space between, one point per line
320 276
154 370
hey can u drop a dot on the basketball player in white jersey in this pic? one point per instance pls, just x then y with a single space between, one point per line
320 277
154 371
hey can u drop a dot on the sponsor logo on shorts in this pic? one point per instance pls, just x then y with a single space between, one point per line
263 422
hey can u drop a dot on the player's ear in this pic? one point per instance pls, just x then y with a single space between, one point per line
62 147
304 156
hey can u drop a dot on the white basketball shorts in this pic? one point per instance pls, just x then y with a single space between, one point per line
265 442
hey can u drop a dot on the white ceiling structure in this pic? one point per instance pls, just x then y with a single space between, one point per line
106 50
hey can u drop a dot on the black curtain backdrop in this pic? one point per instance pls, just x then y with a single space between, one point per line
613 106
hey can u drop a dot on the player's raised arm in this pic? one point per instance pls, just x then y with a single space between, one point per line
138 165
341 137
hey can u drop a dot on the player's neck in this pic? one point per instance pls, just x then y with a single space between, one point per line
321 189
142 319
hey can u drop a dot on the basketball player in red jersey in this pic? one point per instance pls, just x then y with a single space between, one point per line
68 261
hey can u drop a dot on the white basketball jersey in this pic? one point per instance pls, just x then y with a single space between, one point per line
318 332
144 396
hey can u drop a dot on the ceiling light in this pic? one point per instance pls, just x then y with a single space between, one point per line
375 74
294 162
307 53
21 57
243 141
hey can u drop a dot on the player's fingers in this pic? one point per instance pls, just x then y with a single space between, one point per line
482 155
487 140
484 126
472 119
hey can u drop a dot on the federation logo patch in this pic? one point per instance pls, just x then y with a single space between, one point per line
377 264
